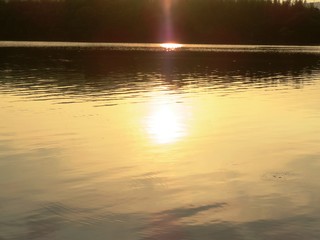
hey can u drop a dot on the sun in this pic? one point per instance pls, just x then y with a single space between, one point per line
171 46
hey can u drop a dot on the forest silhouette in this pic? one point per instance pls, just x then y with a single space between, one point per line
191 21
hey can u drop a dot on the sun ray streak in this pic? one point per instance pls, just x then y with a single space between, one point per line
168 20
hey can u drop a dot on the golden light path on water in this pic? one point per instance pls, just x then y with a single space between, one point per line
165 124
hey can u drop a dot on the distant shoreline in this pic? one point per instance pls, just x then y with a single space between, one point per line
48 43
156 47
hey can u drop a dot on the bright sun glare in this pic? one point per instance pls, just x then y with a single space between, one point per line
170 46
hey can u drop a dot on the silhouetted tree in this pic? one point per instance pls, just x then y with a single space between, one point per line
193 21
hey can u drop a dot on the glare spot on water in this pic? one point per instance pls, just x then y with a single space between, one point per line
165 124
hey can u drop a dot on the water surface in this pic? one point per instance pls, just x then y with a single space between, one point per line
136 142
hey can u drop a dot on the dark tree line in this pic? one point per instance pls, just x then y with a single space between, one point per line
187 21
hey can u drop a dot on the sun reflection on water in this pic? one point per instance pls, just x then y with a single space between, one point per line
166 122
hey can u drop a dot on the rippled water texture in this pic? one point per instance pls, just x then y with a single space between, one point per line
130 142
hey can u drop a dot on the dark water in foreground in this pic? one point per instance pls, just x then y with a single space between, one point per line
133 143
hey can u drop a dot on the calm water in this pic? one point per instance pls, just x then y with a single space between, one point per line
131 142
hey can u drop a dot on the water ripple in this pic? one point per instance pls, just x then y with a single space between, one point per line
114 77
